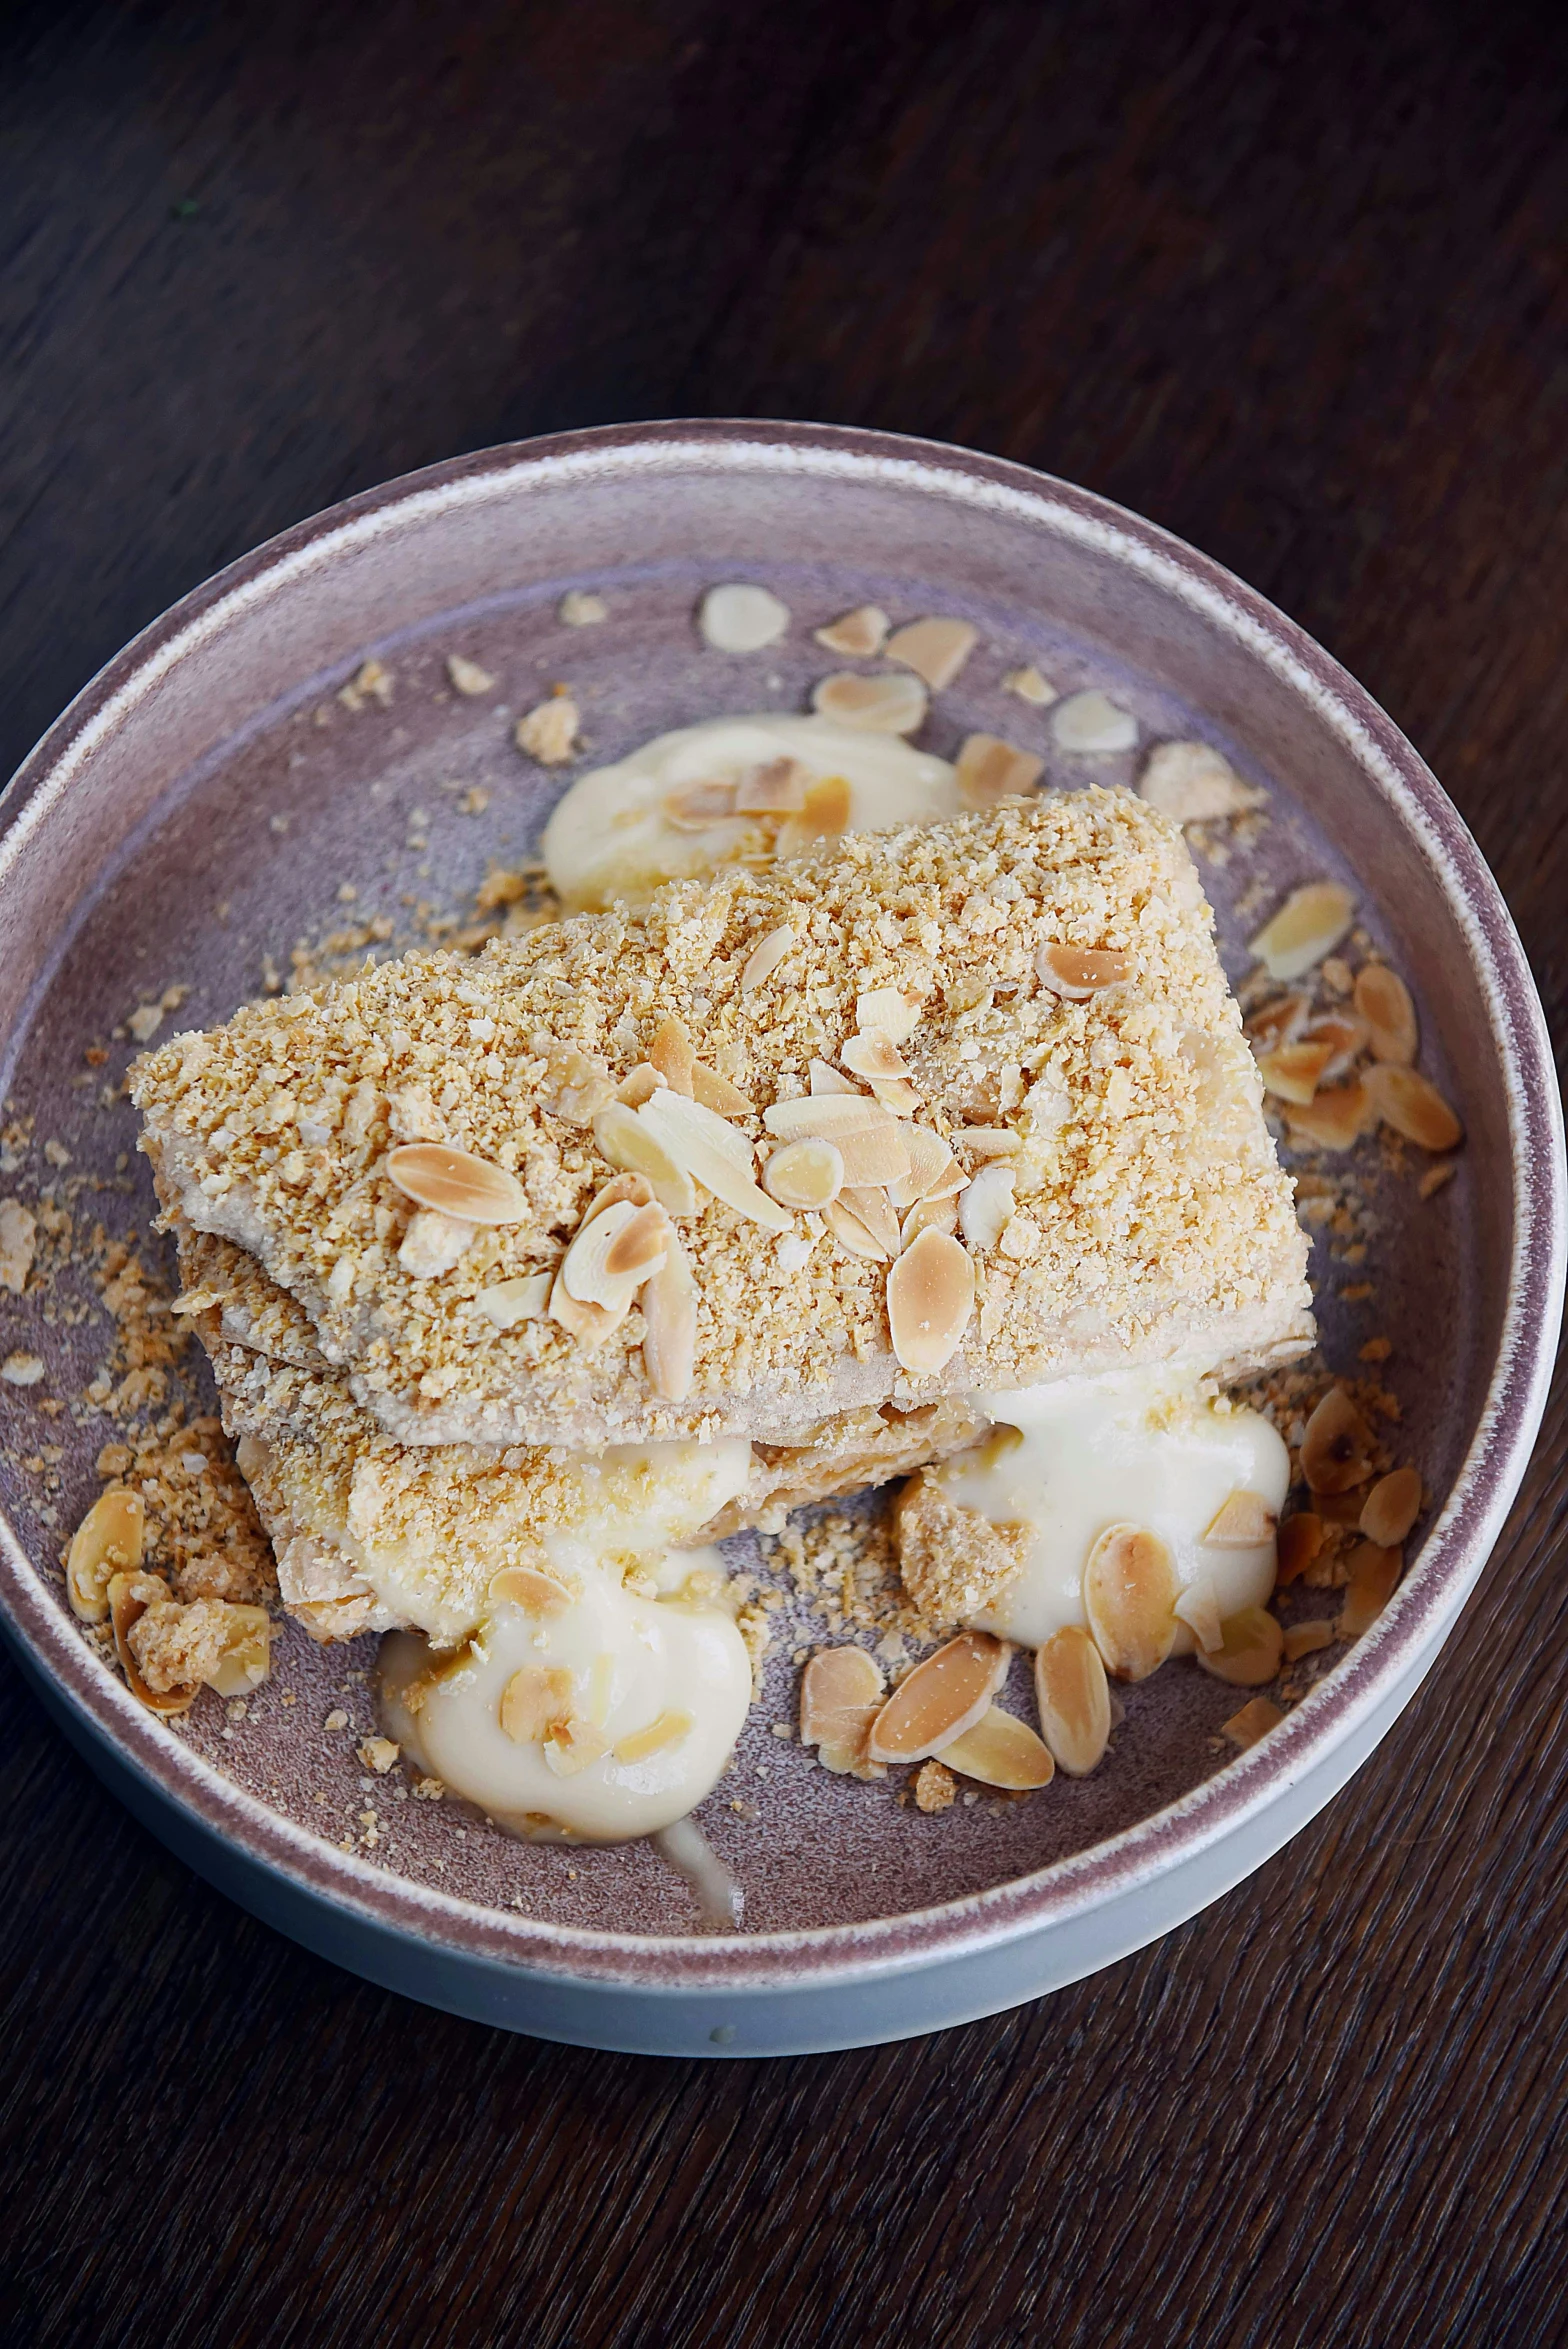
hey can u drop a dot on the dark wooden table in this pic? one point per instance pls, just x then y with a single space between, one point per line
1293 280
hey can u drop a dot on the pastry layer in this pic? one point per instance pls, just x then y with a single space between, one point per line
1149 1220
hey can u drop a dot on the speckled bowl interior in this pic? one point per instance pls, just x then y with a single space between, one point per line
209 804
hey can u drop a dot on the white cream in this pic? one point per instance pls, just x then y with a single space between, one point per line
609 838
632 1663
1140 1448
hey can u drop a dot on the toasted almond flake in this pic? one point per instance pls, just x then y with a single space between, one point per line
932 1168
635 1087
1129 1595
930 1296
935 649
1294 1071
940 1699
741 618
639 1247
804 1175
1243 1521
870 1141
718 1094
669 1312
1346 1039
1373 1575
1001 1750
928 1215
1435 1179
1391 1508
589 1324
1193 783
667 1729
1407 1101
979 1142
455 1182
1074 1699
991 770
1309 925
1030 686
776 789
433 1243
548 733
572 1744
1299 1541
1256 1718
634 1189
715 1153
584 1268
580 608
1304 1639
697 805
871 705
106 1543
859 635
1336 1448
852 1234
765 957
888 1011
824 813
626 1141
1199 1609
873 1055
1383 1000
467 676
1092 722
672 1052
506 1303
533 1701
897 1095
1080 971
874 1210
530 1588
840 1697
822 1079
985 1206
1335 1119
1249 1651
1279 1021
130 1595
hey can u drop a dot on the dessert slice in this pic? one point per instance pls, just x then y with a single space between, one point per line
930 1112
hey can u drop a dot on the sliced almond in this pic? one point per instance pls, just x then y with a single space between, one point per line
717 1154
1294 1071
852 1234
695 806
777 789
1092 722
935 649
1001 1750
130 1595
979 1142
1391 1508
990 770
940 1699
822 1079
741 618
672 1052
456 1183
1199 1609
1243 1521
635 1087
1030 686
1336 1449
869 1138
1304 1639
666 1729
433 1243
1383 1000
506 1303
873 1054
589 1324
572 1744
859 635
985 1206
585 1266
1335 1118
1129 1595
669 1312
530 1588
717 1093
897 1094
1309 925
106 1543
933 1170
928 1215
1435 1179
804 1175
638 1248
1373 1576
1407 1101
1299 1540
888 1011
824 813
1280 1021
1074 1699
626 1141
634 1189
1256 1718
245 1659
1344 1035
1249 1651
840 1697
871 705
930 1297
1078 972
765 957
1193 783
874 1210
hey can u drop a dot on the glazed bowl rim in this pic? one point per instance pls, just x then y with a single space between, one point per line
1456 1547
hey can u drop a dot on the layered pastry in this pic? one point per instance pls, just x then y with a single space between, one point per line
939 1149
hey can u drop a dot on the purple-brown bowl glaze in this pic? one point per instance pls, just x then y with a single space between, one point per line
208 801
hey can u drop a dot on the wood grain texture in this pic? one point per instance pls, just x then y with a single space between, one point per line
1292 280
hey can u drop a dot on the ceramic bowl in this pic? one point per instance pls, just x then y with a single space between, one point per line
210 801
